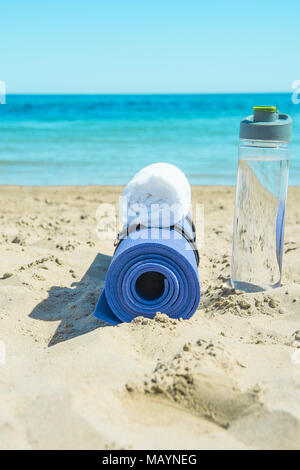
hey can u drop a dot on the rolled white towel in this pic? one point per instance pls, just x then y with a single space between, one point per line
159 195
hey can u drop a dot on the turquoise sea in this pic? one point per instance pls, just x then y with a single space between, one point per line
105 139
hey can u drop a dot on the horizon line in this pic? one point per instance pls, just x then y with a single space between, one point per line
150 93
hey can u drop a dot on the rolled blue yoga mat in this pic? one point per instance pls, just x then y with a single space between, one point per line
153 269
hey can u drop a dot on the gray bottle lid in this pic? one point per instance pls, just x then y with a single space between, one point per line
266 123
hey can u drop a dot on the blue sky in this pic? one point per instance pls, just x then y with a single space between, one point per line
149 46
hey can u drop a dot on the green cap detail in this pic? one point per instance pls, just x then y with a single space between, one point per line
270 109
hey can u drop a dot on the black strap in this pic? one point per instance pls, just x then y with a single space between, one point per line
177 228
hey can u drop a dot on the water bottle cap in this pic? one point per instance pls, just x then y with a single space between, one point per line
265 113
266 123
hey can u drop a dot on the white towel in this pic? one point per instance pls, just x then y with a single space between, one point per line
159 195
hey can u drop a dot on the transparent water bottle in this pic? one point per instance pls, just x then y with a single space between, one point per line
261 193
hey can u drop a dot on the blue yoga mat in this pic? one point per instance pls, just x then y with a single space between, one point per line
153 269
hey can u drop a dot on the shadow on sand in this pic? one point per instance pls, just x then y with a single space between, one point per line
74 306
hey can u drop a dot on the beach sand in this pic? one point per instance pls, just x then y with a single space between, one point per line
229 378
